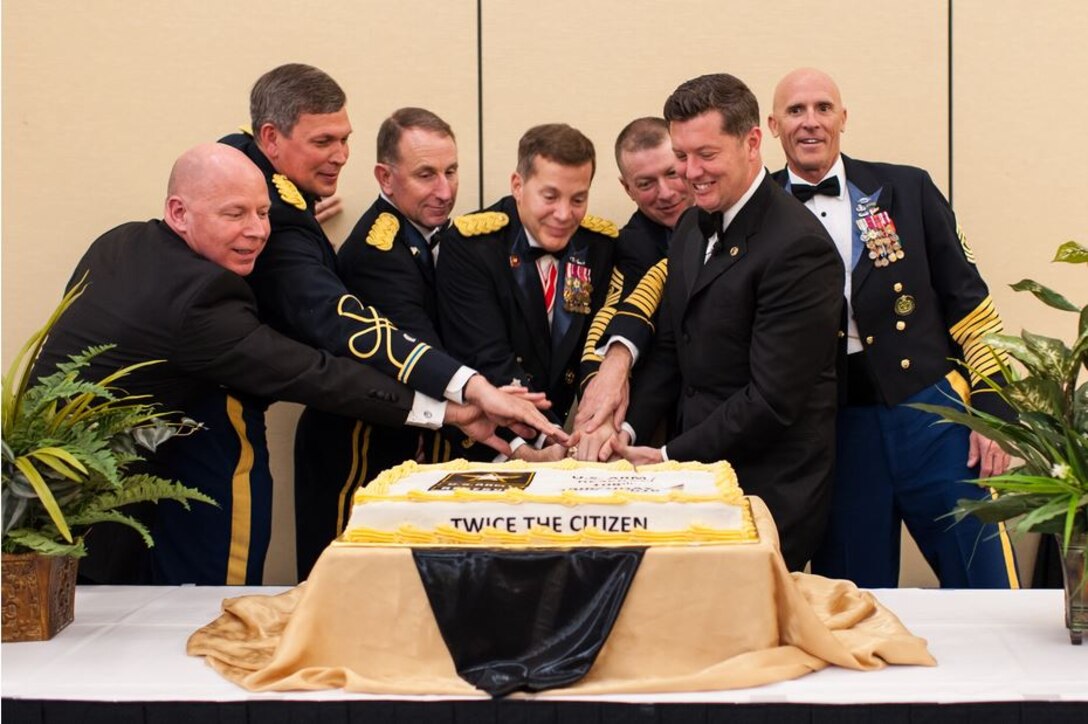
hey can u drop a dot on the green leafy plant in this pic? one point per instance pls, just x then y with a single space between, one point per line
67 446
1049 488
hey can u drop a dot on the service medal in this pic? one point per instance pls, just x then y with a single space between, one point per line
578 290
904 305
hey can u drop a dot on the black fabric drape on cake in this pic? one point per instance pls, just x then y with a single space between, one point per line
525 620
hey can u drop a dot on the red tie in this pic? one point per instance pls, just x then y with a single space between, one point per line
549 273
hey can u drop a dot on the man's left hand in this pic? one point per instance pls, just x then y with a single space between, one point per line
988 455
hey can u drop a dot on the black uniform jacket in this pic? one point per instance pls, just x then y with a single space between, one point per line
643 243
747 345
300 294
491 304
919 314
154 298
385 259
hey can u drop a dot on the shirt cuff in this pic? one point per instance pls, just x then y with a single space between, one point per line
664 454
514 445
626 427
455 390
426 412
617 339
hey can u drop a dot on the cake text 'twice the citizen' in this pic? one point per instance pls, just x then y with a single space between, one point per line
557 523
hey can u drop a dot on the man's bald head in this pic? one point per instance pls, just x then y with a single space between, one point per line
808 117
217 202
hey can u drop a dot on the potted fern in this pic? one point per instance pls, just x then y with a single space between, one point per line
68 445
1048 491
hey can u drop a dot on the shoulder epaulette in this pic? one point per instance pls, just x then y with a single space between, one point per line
600 225
382 231
485 222
288 191
246 130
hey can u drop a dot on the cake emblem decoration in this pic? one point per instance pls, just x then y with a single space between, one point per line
485 480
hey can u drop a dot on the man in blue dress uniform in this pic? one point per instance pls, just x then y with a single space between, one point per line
916 301
389 258
519 282
648 174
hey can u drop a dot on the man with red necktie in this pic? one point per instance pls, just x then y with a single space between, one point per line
519 282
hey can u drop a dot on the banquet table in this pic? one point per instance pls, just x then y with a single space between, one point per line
1002 655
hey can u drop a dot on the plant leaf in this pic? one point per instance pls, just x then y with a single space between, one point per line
1052 353
44 495
114 516
25 538
1046 295
1072 253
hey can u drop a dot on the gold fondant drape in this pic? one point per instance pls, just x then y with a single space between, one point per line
695 618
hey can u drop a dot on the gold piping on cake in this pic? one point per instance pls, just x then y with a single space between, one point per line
725 481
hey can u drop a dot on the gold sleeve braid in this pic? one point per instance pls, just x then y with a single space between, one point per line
968 334
643 301
376 335
603 317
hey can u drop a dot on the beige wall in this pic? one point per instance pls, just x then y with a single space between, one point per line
100 96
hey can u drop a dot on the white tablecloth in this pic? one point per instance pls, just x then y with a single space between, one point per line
128 644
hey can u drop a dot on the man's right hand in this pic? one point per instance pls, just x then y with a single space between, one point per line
515 409
607 394
471 420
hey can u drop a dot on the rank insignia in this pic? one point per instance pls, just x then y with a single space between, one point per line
578 289
967 253
600 225
383 231
878 234
904 305
485 222
288 191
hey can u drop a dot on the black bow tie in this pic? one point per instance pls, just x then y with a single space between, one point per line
535 252
827 187
710 223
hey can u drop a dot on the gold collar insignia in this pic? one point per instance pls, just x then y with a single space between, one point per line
383 231
288 191
485 222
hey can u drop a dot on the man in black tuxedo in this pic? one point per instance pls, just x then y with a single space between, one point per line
747 328
519 282
916 302
174 290
388 258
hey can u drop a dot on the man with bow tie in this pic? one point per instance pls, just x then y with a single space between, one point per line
746 332
520 281
915 301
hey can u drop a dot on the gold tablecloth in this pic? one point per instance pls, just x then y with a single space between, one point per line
695 618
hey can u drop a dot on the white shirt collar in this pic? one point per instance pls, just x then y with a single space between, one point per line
731 213
837 169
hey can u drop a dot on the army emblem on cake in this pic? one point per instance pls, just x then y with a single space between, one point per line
485 481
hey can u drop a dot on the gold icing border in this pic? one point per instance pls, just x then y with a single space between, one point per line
542 536
729 491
